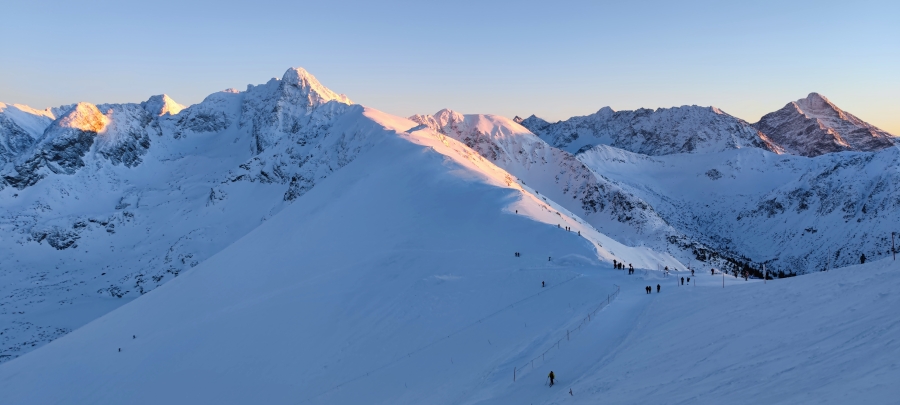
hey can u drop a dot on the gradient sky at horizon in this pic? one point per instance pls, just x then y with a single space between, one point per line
553 59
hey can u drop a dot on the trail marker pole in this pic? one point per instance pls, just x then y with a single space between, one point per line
723 279
765 273
514 374
893 250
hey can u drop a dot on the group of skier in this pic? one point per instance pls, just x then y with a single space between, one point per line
649 289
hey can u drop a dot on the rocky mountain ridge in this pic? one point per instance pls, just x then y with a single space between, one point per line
664 131
814 126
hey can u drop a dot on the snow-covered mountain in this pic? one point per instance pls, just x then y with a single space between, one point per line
20 127
282 244
561 177
103 203
799 214
664 131
813 126
708 192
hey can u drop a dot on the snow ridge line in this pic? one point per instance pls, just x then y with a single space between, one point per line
585 320
458 331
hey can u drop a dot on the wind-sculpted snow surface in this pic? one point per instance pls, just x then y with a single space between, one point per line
798 214
664 131
813 126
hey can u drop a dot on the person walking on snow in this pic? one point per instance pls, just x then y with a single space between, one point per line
682 281
552 377
657 288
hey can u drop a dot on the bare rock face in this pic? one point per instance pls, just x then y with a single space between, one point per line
664 131
813 126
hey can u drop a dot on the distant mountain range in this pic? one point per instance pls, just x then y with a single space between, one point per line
808 127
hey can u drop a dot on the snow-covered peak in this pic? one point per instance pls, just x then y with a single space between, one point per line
814 125
85 117
21 108
605 111
162 104
460 126
32 120
20 127
533 122
298 78
816 105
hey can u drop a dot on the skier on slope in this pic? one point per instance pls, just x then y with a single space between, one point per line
657 288
552 377
682 281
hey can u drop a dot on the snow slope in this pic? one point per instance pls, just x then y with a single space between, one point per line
664 131
836 345
813 126
394 279
561 177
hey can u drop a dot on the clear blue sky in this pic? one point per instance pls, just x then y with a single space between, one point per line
552 58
